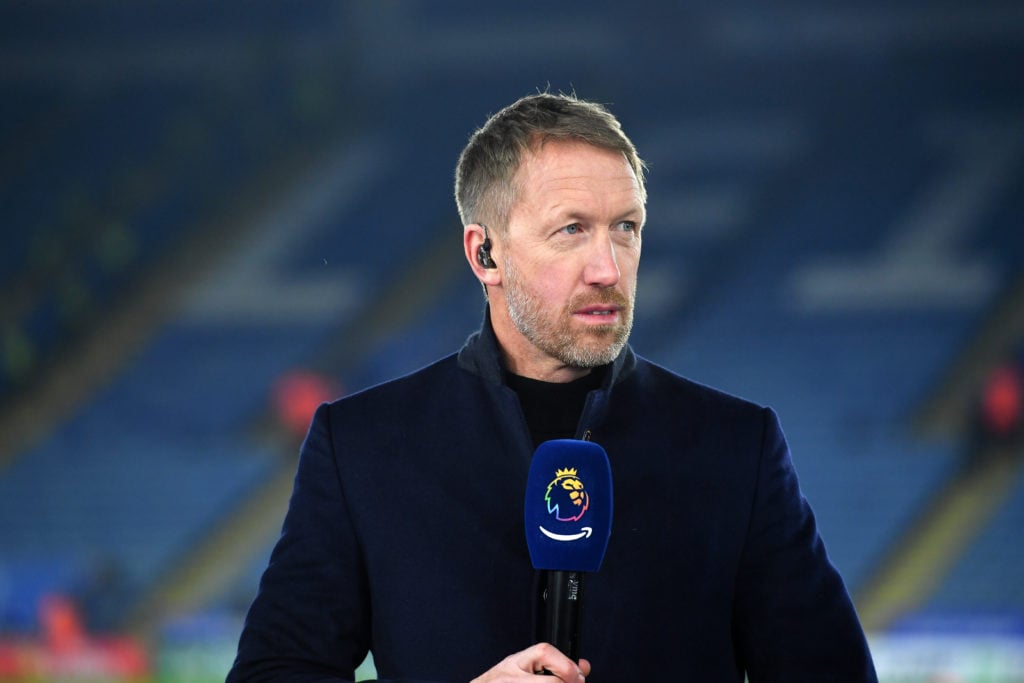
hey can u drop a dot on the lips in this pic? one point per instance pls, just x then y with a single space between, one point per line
600 311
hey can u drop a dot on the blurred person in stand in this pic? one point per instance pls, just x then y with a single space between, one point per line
997 418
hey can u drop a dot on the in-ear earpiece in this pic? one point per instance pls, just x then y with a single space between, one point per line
483 253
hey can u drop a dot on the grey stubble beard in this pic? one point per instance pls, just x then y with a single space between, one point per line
556 337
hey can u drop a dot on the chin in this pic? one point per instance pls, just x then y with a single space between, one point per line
587 356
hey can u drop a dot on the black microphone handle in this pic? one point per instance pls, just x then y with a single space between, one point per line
561 605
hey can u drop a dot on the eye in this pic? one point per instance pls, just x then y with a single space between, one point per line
572 229
627 226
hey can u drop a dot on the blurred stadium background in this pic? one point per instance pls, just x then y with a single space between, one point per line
215 215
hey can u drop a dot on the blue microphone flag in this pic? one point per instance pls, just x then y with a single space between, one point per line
568 506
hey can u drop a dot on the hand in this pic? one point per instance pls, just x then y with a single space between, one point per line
530 664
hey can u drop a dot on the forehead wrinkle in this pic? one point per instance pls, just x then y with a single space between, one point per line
607 205
543 177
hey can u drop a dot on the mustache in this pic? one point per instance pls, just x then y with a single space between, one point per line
605 297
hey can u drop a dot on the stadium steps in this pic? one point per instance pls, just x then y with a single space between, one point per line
932 546
213 563
986 580
222 559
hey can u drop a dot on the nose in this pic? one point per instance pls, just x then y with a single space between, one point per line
602 268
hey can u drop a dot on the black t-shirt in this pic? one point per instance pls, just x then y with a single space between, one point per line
553 409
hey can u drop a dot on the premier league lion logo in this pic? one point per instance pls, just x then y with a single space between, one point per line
566 496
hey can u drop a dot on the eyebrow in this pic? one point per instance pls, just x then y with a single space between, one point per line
637 212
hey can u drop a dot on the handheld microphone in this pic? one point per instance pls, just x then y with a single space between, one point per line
568 515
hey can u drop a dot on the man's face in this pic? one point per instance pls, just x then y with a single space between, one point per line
570 258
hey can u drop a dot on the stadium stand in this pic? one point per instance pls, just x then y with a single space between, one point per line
986 579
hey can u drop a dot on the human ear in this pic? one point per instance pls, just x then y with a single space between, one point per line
478 248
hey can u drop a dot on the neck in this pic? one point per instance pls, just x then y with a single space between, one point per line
556 372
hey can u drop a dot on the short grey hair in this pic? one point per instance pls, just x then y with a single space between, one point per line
485 174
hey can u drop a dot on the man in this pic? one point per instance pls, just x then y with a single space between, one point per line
404 535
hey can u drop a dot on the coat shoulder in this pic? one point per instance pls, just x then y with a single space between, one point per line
665 385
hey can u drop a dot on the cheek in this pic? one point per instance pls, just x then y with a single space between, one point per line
629 262
628 268
553 281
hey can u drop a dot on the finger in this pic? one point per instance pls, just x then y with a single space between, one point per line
584 667
546 657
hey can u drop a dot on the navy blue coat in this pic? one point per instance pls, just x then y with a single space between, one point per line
405 535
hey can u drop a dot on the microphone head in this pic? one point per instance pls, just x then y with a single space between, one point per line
568 508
